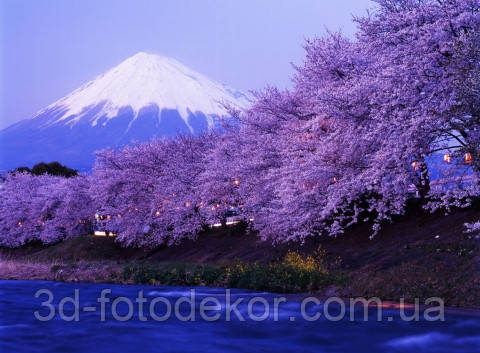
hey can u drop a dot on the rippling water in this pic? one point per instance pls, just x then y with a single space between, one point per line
20 331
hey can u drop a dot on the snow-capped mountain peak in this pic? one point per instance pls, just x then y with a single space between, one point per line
144 96
148 79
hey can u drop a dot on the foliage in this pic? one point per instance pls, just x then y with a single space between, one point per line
369 124
362 129
149 191
295 273
45 208
174 274
473 227
53 168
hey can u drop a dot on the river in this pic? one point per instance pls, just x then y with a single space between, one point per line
265 329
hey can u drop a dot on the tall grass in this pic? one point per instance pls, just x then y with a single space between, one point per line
295 273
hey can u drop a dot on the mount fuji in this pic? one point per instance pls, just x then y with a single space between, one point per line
144 96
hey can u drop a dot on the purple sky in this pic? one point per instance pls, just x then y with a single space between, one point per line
51 47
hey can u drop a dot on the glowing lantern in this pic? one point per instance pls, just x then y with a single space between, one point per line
19 224
157 213
187 204
335 180
236 182
213 208
415 165
468 158
119 215
447 158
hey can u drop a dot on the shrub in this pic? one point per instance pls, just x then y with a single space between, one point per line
295 273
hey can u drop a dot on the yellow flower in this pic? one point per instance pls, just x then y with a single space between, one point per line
295 260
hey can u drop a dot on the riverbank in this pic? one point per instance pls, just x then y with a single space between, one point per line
418 256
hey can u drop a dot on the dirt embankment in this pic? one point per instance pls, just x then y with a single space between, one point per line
419 255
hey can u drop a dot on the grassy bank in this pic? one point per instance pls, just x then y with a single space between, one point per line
295 273
418 256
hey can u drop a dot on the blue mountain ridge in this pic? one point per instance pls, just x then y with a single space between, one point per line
34 140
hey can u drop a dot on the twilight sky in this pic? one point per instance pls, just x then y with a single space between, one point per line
50 47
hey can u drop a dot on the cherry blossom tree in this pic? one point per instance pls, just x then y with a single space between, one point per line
428 64
45 208
309 157
368 124
361 130
221 182
149 191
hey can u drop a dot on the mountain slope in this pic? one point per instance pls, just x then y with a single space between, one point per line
146 95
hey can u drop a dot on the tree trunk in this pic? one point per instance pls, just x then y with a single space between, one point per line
423 182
